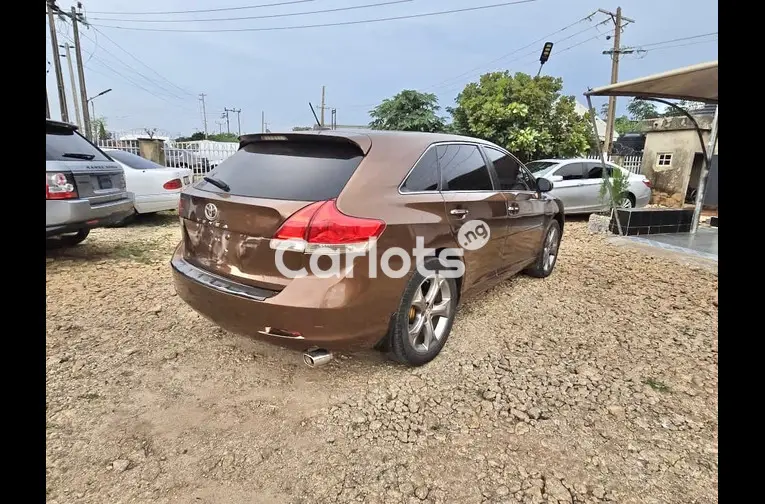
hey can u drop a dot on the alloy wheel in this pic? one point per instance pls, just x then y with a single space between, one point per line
429 312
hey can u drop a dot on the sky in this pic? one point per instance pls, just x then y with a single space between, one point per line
156 77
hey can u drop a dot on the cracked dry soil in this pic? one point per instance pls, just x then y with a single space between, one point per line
598 384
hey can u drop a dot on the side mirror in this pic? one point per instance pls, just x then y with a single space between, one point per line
556 178
544 185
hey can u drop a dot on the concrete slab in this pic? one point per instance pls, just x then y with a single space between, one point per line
702 244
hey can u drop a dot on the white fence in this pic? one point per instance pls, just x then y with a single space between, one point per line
631 163
201 156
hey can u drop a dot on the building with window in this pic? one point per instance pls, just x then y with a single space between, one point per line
673 157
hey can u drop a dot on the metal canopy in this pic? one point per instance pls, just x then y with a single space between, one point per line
693 83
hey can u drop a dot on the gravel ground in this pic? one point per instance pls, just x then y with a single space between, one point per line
598 384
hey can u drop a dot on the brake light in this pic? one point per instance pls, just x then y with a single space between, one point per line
173 184
647 183
59 186
322 225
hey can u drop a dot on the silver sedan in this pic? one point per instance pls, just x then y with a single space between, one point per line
576 182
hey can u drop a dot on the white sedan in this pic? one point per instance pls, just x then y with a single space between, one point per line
576 182
156 187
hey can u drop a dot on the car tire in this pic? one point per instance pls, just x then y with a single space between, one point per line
548 255
411 341
628 201
70 240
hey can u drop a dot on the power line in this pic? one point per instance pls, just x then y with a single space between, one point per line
220 9
266 16
677 39
144 64
451 82
534 52
133 70
323 25
680 45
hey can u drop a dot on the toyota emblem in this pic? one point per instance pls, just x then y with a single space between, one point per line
211 212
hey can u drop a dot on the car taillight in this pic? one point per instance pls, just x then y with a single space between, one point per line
173 184
322 225
647 183
59 186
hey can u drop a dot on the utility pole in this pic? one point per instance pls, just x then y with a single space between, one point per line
225 114
81 73
322 107
238 123
204 112
47 105
220 126
57 61
617 19
262 121
68 57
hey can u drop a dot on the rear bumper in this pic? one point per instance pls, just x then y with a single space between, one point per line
157 202
340 314
64 216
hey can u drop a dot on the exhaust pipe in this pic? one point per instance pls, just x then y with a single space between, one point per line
317 357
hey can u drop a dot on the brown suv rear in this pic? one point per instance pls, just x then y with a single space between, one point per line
339 190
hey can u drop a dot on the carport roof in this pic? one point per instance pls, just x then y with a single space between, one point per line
693 83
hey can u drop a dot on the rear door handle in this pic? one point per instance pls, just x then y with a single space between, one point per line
460 213
513 208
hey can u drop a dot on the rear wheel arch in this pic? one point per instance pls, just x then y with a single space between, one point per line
459 279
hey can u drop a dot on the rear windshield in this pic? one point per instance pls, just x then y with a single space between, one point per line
65 144
290 170
133 161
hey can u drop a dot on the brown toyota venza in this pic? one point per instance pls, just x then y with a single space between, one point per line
308 239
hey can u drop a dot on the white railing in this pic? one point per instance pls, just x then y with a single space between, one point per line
631 163
126 145
201 156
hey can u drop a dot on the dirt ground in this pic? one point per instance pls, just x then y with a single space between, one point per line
598 384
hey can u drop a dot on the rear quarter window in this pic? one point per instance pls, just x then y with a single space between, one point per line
424 176
65 144
289 170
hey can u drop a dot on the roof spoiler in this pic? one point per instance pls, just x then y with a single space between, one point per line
359 140
60 124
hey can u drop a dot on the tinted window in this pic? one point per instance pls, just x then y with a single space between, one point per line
65 144
595 170
303 170
508 170
540 166
463 168
529 179
424 176
571 171
133 161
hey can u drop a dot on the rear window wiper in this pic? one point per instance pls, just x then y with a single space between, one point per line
218 183
78 155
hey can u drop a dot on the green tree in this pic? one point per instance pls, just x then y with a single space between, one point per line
224 137
408 111
640 110
197 135
624 124
527 115
98 127
302 128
